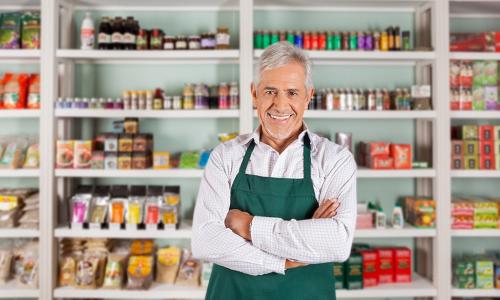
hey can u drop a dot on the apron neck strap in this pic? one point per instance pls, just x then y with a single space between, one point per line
306 152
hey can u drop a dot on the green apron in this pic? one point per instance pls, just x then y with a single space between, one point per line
281 198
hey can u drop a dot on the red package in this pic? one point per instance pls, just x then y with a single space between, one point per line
401 153
386 265
480 41
486 148
376 148
33 101
380 162
457 162
402 264
466 75
15 88
486 133
455 74
370 267
487 162
497 41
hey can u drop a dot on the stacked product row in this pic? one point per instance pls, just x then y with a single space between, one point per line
19 262
20 30
19 152
19 208
477 271
470 213
18 91
475 147
475 41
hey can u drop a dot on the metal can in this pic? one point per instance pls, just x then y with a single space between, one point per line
368 41
361 41
275 37
258 40
353 41
322 40
298 40
266 39
329 41
290 37
308 40
313 45
345 41
337 41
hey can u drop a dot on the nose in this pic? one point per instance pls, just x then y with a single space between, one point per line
281 102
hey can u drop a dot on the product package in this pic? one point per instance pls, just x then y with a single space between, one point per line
402 264
10 31
114 272
99 207
190 270
170 208
370 267
353 269
167 265
80 206
64 154
386 265
135 206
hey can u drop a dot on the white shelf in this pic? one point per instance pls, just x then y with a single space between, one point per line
492 114
366 55
154 5
475 232
150 173
475 293
149 55
19 113
170 114
18 173
475 173
407 232
19 54
19 233
416 173
12 290
157 291
475 55
183 233
420 287
325 114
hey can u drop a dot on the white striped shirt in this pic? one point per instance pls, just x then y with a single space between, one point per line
333 172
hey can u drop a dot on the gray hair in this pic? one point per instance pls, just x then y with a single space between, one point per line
280 54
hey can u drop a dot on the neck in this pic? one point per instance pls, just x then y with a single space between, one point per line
276 144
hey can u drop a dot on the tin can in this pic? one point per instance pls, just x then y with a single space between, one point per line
322 40
337 41
368 41
266 39
353 41
345 40
307 40
275 37
282 36
329 41
258 40
290 37
314 41
298 41
376 41
361 41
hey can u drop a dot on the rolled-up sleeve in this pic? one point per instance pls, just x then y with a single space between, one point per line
211 240
316 240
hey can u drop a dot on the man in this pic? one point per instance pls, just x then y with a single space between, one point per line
263 213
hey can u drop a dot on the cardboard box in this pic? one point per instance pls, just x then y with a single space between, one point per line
402 264
402 155
465 267
375 148
457 148
466 281
471 162
370 267
470 132
486 133
338 273
477 41
457 162
486 148
497 133
380 162
497 147
386 265
487 162
484 274
353 269
471 148
497 274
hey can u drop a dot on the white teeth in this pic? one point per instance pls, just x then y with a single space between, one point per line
281 118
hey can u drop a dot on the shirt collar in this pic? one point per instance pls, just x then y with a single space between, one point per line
255 135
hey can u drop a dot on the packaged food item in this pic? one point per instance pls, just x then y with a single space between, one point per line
471 148
111 142
99 206
167 265
471 162
161 160
32 160
170 208
33 101
152 209
402 156
420 212
5 264
114 273
457 147
338 271
189 272
386 265
125 143
457 162
141 160
135 206
80 206
65 154
370 267
15 89
353 268
97 161
124 161
206 272
143 143
140 272
30 30
67 270
189 160
402 264
86 271
131 125
462 214
10 31
484 274
110 160
117 209
13 156
26 265
83 154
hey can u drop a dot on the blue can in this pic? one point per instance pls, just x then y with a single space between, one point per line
298 42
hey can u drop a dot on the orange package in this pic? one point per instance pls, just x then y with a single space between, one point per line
15 89
401 153
34 92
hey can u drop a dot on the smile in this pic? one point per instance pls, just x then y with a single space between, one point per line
280 117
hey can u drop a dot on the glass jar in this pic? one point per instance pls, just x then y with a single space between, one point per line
208 41
169 42
181 43
222 38
194 42
156 42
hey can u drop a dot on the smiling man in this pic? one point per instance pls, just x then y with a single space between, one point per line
276 207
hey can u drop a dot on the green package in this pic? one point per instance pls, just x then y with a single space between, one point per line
30 35
189 160
464 267
338 272
353 269
10 31
466 282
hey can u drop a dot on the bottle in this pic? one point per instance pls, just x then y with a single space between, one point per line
188 96
104 36
381 220
397 39
223 96
234 96
117 36
213 95
87 32
149 100
329 99
397 217
130 34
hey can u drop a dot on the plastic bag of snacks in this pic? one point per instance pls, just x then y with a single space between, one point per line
80 205
86 270
15 89
13 155
189 273
26 264
32 160
30 30
67 270
113 275
140 265
10 31
167 264
34 92
5 262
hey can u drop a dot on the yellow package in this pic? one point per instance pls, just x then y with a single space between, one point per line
32 157
167 265
140 272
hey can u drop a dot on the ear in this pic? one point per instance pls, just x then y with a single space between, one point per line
310 95
253 90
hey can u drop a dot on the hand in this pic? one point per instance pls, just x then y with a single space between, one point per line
327 209
239 222
293 264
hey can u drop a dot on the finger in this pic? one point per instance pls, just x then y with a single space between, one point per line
331 211
326 205
322 207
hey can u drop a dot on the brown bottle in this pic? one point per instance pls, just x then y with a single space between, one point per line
117 36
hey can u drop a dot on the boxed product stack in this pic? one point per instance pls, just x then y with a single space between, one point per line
475 147
474 85
15 204
475 41
118 207
477 271
420 212
132 265
18 152
383 155
368 267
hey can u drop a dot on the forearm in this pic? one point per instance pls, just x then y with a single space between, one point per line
309 241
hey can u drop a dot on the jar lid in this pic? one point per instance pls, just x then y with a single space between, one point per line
194 37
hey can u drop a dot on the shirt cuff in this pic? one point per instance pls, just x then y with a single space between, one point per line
275 264
261 231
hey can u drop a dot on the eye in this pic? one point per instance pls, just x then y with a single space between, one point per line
269 92
292 93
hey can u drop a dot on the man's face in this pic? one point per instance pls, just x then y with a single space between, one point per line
281 99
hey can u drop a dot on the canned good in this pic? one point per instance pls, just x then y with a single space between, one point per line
258 40
337 41
298 41
322 40
275 37
266 39
308 40
353 41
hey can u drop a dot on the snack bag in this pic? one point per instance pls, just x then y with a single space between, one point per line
30 37
15 88
32 157
10 31
34 92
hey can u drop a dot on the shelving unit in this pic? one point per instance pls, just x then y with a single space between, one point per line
12 290
19 173
143 114
475 293
475 174
475 233
19 233
19 113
